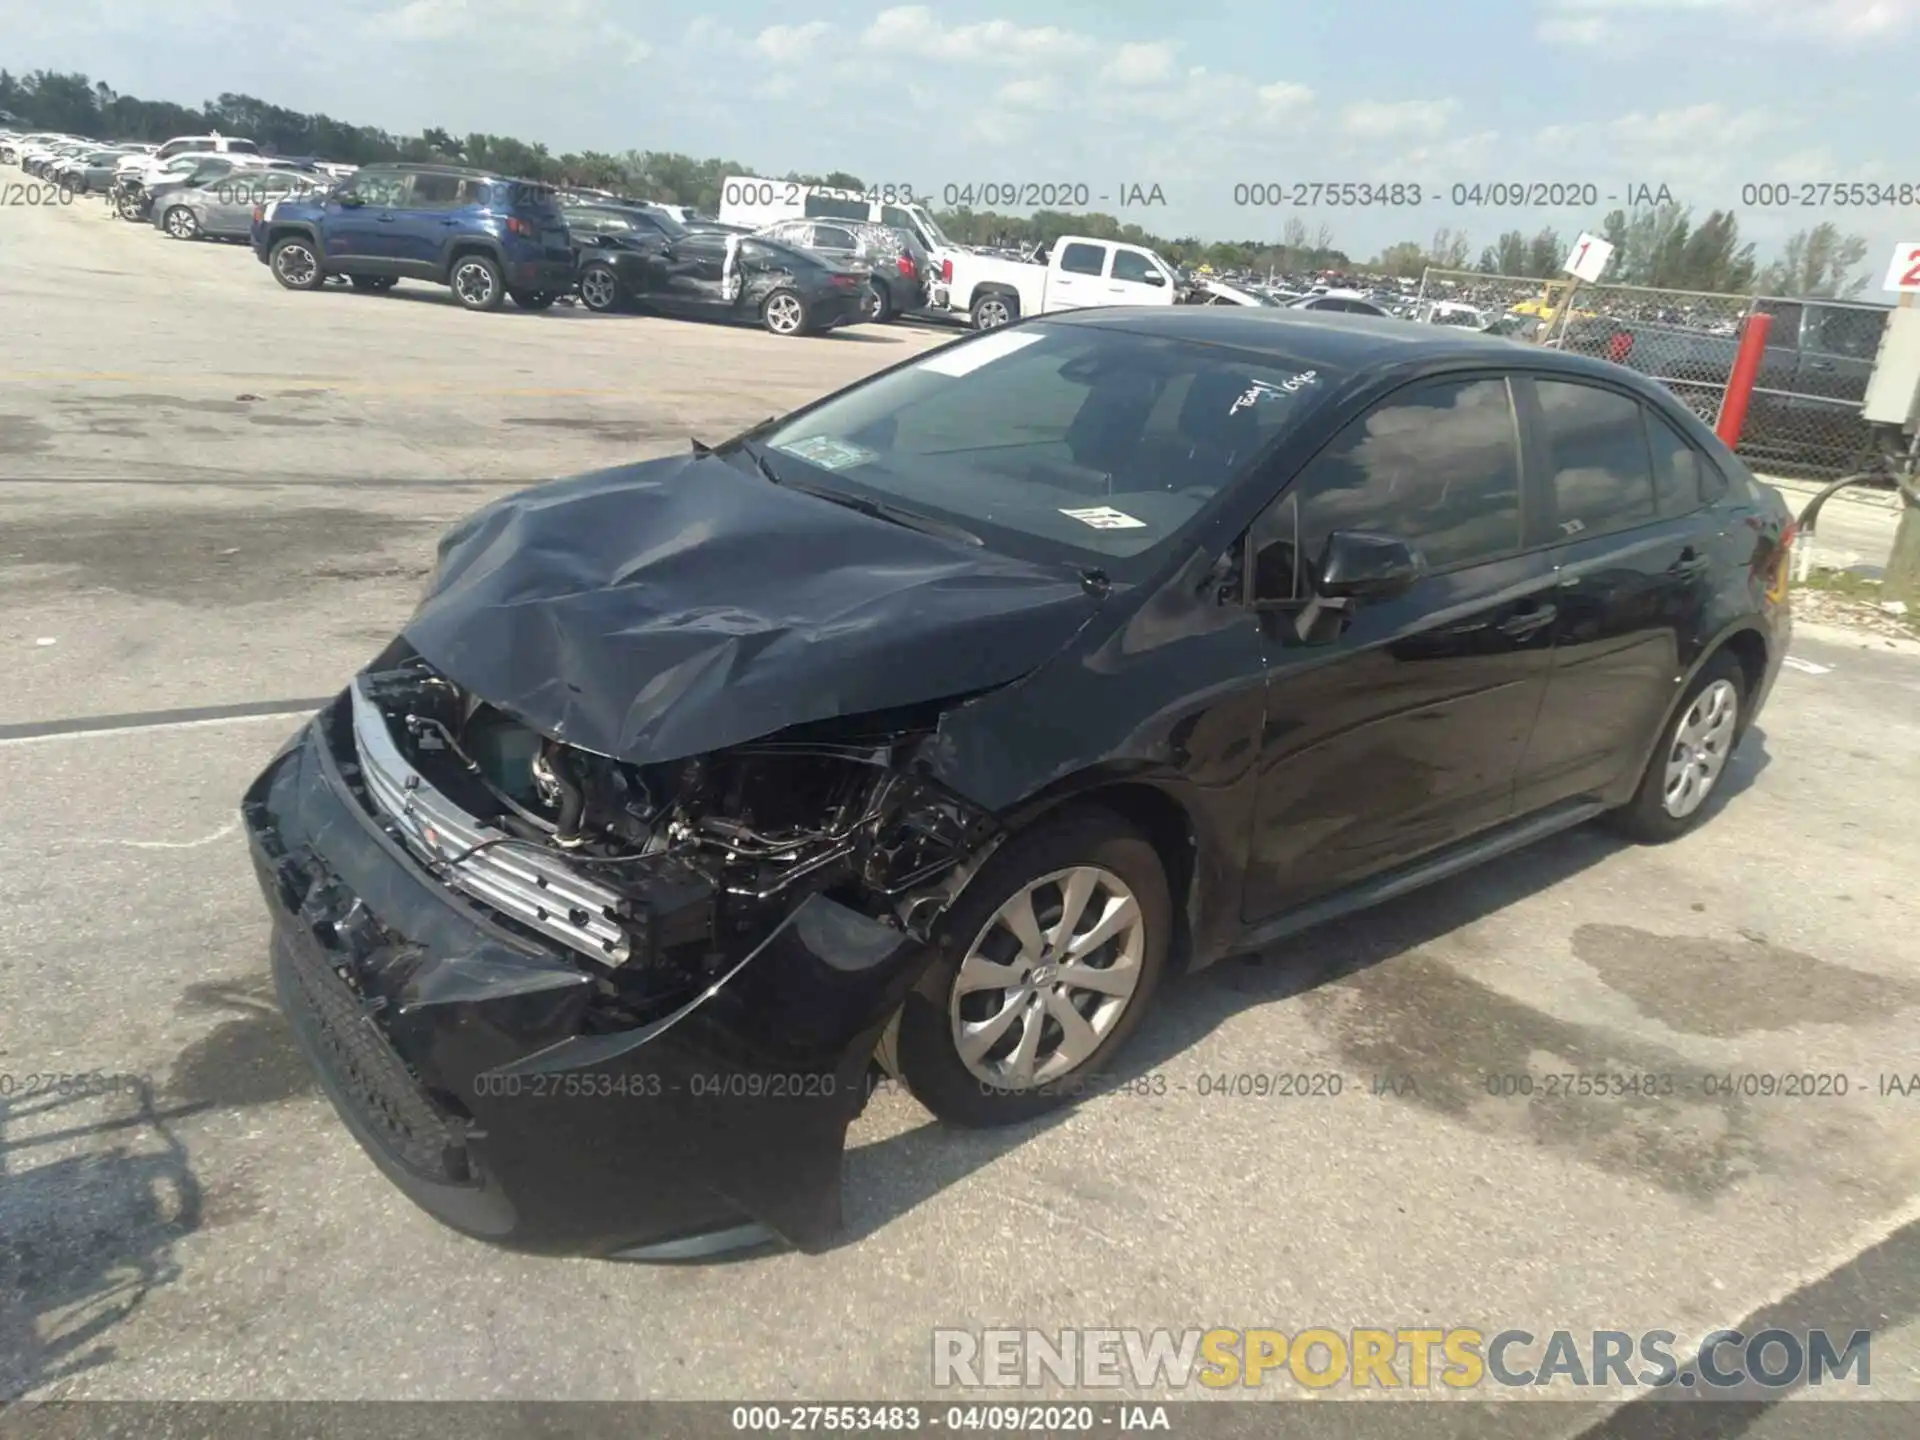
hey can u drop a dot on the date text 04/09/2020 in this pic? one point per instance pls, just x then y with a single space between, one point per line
1050 194
1475 194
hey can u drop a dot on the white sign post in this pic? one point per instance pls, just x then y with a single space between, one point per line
1588 259
1903 275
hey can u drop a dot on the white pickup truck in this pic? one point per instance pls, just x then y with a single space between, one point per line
1078 272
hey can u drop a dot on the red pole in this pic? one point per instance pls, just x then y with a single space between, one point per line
1746 369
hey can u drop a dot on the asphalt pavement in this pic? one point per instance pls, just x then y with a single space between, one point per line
218 499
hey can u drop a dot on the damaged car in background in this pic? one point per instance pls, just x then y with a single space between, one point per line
924 730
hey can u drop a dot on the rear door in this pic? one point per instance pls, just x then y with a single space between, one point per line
1618 505
1077 278
423 220
1396 727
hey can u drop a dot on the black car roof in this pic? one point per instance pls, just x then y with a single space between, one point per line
1343 341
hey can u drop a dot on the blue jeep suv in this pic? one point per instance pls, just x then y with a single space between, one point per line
484 235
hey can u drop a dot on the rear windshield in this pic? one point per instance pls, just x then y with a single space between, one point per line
1086 439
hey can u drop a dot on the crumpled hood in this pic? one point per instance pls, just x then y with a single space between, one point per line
679 606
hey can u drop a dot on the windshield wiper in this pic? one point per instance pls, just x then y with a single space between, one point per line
893 514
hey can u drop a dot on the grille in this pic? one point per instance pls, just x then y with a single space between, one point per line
543 894
385 1096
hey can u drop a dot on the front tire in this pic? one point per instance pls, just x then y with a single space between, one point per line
784 313
181 223
600 289
477 283
295 264
1691 759
1045 966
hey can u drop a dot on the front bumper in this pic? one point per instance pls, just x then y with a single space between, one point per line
474 1063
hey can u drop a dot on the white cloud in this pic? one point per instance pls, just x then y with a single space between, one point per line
788 44
1283 98
1030 94
554 32
914 30
1142 63
1377 119
1642 24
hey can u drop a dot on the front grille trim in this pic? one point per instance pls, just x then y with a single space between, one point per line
535 890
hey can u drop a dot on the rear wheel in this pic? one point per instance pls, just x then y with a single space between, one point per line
181 223
1046 965
784 313
295 265
992 311
600 288
1686 768
477 283
883 310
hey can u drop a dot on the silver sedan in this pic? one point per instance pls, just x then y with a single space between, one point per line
222 208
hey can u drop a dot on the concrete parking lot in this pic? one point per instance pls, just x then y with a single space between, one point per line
219 498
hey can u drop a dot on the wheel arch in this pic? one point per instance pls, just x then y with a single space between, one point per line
995 287
1750 645
460 247
297 230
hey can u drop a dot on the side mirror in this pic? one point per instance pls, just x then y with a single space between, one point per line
1361 566
1154 277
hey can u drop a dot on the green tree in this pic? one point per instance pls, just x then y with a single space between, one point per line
1819 261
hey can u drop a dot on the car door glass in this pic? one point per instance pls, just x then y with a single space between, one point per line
829 237
378 191
1084 259
1677 469
434 192
1131 265
1437 466
1602 477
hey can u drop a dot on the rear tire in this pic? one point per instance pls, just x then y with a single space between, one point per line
1686 768
883 310
477 283
1030 1064
785 313
993 310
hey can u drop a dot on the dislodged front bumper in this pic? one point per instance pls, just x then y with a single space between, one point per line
475 1063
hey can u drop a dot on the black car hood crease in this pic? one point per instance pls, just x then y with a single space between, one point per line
679 606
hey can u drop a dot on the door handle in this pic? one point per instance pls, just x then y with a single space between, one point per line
1518 627
1690 563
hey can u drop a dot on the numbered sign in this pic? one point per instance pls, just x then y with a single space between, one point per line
1588 258
1904 274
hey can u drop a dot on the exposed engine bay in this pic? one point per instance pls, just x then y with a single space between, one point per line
702 856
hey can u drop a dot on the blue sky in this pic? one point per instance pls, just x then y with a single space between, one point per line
1700 95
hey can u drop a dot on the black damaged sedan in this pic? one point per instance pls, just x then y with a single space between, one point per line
928 729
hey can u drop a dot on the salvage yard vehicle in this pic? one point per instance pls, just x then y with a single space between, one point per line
732 278
1076 272
484 235
221 207
896 261
926 729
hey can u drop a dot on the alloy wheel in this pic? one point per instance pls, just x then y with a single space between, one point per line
1701 746
992 314
296 264
783 314
473 283
180 223
1047 978
599 289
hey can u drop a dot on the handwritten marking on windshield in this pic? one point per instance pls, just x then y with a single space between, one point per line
1259 389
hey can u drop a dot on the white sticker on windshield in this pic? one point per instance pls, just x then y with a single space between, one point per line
1258 390
1103 517
965 358
827 452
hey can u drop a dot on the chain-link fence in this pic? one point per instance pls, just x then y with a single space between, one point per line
1804 415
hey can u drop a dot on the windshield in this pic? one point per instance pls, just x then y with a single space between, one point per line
1102 441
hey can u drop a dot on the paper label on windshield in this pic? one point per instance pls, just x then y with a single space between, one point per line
828 453
1105 517
969 356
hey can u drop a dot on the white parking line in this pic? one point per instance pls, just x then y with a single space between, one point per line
1806 667
281 715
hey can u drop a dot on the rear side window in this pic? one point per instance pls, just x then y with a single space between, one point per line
1437 465
1678 469
434 192
1597 452
1083 259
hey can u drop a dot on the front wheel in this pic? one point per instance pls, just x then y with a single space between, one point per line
1691 758
181 224
477 283
1046 965
784 313
600 289
127 207
295 265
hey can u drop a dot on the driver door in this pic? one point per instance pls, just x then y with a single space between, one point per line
357 226
1133 279
1397 725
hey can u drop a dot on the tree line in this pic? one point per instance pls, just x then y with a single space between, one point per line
1660 246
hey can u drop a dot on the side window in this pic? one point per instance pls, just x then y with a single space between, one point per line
1084 259
379 190
434 192
1597 451
1678 469
831 237
1437 465
1132 265
895 216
